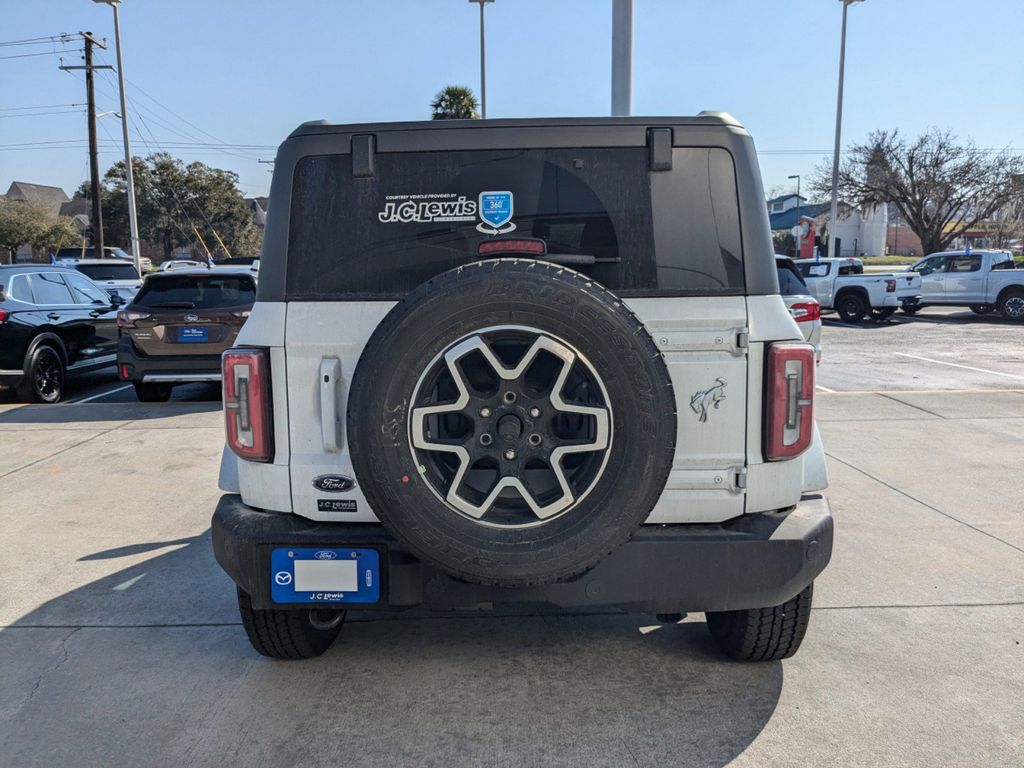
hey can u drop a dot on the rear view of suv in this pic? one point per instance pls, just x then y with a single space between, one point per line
521 362
177 326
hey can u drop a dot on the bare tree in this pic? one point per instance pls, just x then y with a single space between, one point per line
940 186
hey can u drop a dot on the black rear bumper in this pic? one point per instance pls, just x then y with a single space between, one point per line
164 368
753 561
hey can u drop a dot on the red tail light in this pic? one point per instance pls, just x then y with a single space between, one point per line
789 413
4 314
890 286
127 318
806 311
247 409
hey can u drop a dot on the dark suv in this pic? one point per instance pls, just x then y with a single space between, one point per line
54 322
177 326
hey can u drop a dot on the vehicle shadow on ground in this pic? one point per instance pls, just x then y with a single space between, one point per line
71 413
161 666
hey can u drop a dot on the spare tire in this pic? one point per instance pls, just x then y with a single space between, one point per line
512 422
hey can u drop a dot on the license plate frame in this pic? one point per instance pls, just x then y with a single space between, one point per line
322 575
194 334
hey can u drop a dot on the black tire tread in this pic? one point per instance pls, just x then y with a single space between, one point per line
283 634
26 390
763 634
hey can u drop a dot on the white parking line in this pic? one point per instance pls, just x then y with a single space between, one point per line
823 389
101 394
957 365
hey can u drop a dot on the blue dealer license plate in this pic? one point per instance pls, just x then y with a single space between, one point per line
194 333
324 575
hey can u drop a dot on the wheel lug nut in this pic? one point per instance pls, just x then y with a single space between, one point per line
510 455
534 412
534 439
486 439
485 413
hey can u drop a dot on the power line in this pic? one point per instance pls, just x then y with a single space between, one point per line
63 37
39 106
27 55
41 114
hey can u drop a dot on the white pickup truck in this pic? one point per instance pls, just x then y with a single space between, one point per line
983 280
841 284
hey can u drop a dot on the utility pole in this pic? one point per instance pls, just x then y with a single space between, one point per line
94 162
622 57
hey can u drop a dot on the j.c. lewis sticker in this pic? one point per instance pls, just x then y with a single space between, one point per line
407 209
336 505
496 212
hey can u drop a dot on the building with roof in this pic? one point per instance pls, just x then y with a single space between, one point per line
860 232
51 198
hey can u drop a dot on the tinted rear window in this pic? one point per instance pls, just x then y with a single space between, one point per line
668 232
113 271
196 292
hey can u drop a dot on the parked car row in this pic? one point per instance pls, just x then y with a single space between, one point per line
985 281
55 322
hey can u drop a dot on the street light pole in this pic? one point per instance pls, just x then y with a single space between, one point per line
133 223
622 57
799 219
483 60
833 220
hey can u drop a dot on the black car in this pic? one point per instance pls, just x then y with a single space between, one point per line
54 321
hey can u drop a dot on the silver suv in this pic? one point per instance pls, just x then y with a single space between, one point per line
521 362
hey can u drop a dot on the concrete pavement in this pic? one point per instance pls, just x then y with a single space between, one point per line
121 644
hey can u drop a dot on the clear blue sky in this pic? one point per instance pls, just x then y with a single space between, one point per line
247 73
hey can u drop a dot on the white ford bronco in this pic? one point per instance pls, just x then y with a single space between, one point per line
521 362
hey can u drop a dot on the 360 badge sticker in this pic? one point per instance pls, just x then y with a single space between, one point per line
495 208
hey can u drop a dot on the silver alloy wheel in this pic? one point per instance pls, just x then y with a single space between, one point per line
510 426
1013 307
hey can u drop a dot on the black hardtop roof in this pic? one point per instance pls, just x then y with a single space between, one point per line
704 119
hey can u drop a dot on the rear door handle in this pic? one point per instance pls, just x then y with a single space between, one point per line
330 423
94 313
53 316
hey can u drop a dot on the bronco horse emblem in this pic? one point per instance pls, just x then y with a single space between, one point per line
712 396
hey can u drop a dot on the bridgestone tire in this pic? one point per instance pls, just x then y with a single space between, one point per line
567 306
286 634
763 634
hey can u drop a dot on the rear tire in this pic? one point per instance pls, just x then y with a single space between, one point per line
852 307
43 381
983 309
289 634
1011 306
152 393
763 634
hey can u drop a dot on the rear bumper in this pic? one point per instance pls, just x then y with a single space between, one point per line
754 561
907 301
174 369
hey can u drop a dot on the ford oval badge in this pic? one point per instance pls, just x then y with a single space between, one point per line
334 483
326 554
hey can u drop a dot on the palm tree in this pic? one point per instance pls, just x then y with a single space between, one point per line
454 102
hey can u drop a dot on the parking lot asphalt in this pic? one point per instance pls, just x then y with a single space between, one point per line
121 644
